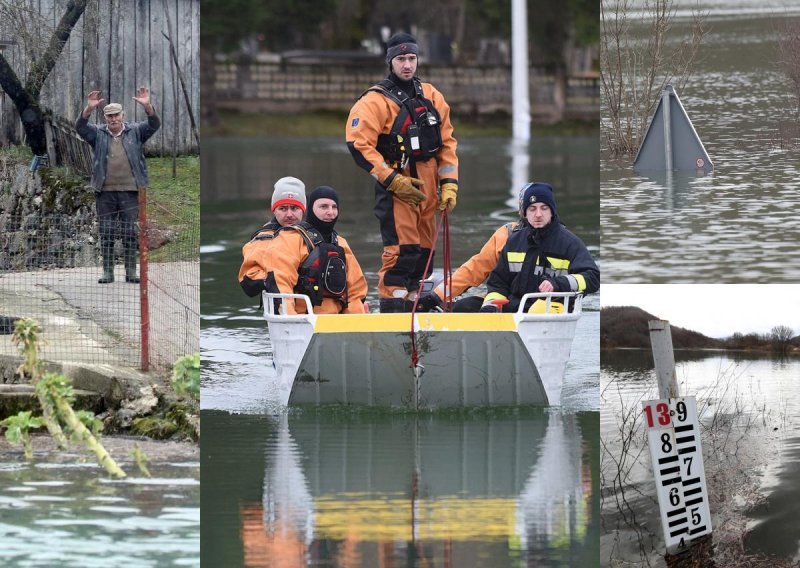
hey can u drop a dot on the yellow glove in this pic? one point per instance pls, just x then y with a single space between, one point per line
448 197
405 189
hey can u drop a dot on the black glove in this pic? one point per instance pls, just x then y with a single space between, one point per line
430 302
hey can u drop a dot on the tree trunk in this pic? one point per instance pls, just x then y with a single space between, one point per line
28 108
26 98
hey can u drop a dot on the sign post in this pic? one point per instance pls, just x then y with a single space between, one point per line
673 435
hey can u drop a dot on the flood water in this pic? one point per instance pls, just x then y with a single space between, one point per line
62 510
358 486
749 412
654 227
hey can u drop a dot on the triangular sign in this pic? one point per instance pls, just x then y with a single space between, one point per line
671 142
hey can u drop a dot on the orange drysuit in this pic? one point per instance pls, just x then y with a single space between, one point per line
477 269
284 258
407 231
253 269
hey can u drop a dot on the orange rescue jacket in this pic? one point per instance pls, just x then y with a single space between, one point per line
374 114
287 253
477 269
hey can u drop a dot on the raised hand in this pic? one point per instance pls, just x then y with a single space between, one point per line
93 100
142 96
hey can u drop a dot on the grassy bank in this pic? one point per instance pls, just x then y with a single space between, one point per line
175 206
332 124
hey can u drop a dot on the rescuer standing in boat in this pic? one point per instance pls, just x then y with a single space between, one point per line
288 208
311 258
543 257
399 131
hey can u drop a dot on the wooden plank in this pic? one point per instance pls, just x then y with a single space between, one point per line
116 93
127 37
143 49
90 75
185 51
192 75
159 82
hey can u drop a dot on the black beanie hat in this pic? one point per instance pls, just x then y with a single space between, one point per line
537 192
400 44
324 227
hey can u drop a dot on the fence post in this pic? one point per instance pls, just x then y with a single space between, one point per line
144 306
661 343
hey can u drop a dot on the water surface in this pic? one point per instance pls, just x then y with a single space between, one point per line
742 219
355 486
751 433
62 510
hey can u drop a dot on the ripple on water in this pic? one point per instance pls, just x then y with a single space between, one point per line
652 228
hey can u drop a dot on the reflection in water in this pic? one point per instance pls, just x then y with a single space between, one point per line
446 491
520 170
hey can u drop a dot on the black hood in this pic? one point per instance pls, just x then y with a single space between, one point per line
324 227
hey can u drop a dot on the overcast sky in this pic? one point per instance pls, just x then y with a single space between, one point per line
713 310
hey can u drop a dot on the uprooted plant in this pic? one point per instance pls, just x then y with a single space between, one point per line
56 397
18 430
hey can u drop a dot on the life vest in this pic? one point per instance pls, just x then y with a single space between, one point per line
266 232
323 274
416 132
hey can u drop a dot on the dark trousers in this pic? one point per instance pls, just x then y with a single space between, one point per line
118 207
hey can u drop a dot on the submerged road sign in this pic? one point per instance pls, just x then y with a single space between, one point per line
671 142
674 438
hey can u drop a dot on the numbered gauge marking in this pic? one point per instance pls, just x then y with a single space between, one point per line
677 457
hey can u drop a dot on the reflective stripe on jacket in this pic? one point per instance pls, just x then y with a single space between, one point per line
558 256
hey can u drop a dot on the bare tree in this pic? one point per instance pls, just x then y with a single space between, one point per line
781 336
43 57
789 58
636 63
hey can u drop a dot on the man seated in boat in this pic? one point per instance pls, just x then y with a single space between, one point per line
542 257
311 258
288 208
473 272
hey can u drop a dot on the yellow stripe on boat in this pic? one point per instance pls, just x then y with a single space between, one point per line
369 323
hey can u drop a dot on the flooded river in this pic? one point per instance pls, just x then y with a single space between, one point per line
751 434
61 509
738 99
368 487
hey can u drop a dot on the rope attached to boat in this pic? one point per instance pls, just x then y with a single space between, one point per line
444 224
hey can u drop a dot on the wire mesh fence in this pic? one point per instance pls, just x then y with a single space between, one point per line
52 269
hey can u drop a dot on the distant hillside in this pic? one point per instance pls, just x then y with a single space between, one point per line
626 326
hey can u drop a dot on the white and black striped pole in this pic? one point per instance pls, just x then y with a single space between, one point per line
673 435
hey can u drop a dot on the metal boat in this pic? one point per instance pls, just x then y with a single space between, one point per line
464 359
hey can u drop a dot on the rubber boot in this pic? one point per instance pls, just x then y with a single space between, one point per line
392 305
130 269
108 270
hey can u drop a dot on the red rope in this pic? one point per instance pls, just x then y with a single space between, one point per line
441 223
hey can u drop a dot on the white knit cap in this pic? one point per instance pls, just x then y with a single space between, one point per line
291 191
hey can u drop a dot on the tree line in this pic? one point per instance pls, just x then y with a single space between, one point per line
627 327
279 25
